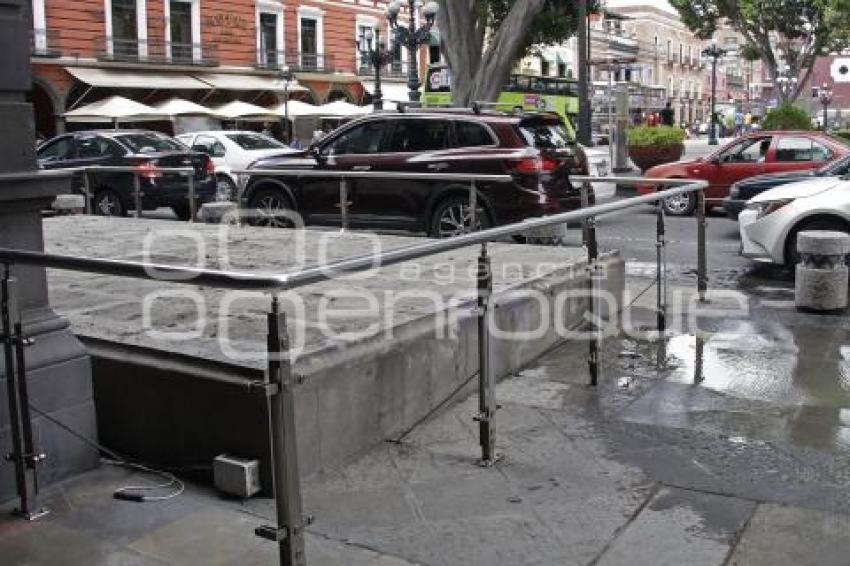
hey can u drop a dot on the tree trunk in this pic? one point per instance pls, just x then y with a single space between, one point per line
479 74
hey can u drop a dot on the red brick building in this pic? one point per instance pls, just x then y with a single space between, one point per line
208 51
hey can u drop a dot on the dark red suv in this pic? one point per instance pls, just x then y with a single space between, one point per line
534 149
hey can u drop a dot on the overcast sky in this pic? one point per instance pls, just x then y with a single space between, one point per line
663 4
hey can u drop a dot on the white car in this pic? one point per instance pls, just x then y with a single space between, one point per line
232 150
771 221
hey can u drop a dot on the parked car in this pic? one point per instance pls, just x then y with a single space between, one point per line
147 152
771 221
744 190
746 156
232 151
535 150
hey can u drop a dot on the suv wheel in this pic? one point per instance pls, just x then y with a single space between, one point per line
452 218
680 205
108 203
272 208
182 211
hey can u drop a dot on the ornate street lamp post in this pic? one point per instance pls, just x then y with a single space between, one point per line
286 76
412 37
714 53
825 95
378 56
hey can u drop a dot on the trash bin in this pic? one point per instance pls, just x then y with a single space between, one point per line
821 283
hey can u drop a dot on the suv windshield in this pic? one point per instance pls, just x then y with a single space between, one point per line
254 141
148 142
839 167
544 135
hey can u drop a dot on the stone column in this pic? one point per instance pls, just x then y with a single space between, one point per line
58 369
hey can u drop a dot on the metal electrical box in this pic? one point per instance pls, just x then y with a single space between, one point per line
236 476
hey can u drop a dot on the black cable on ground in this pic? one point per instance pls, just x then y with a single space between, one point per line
130 492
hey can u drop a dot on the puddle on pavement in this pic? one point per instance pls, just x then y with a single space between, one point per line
806 375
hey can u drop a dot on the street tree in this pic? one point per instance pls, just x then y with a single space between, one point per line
787 35
482 39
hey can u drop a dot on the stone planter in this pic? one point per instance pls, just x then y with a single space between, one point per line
645 157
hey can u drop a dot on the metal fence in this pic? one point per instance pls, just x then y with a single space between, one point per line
279 384
137 192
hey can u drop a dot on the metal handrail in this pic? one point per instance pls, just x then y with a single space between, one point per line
279 384
137 189
294 280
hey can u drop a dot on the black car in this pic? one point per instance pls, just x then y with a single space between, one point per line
145 151
535 150
744 190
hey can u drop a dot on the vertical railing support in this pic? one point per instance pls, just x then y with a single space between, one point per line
193 201
280 390
473 207
24 455
702 260
343 204
592 246
486 381
87 189
661 283
137 195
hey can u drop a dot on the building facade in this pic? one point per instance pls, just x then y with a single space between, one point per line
208 51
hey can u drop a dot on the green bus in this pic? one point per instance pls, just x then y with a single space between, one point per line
552 94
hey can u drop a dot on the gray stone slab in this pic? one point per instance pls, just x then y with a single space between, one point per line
792 536
111 308
680 527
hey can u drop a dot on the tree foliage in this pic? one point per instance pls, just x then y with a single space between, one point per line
780 32
787 117
482 39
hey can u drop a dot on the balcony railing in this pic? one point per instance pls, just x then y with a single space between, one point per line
296 61
44 43
155 52
392 71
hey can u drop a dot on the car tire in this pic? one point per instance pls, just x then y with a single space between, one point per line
225 183
790 254
182 212
106 202
451 218
680 205
263 205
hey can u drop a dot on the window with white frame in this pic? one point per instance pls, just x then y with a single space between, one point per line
126 28
270 34
365 28
311 38
39 25
183 30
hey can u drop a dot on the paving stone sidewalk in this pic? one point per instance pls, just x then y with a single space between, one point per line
749 466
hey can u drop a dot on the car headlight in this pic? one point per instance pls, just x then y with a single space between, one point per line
735 191
768 207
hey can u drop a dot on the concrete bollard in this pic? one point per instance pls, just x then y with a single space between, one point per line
219 212
822 273
69 204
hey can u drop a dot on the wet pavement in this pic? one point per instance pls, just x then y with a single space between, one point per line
740 459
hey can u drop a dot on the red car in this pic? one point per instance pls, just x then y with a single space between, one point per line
747 156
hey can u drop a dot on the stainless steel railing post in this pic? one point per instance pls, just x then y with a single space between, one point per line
193 202
661 283
343 204
590 243
473 207
702 260
280 390
486 381
23 455
88 195
137 195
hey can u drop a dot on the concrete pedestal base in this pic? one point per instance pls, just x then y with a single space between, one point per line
58 368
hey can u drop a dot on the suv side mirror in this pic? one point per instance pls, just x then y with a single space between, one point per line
715 161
